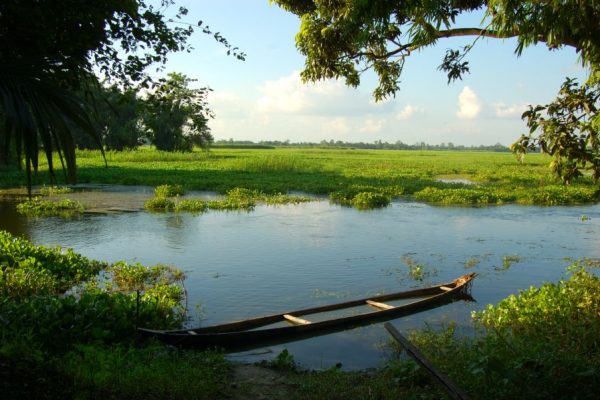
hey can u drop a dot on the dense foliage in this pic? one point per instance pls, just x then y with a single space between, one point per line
541 343
342 39
116 116
39 283
58 310
568 129
44 64
176 116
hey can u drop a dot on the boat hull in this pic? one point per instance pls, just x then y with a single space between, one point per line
244 335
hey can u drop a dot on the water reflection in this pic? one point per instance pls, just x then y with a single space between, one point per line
12 221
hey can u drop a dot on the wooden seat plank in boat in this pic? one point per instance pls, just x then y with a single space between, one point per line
381 306
295 320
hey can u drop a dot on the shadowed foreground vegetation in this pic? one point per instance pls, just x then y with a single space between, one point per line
68 331
347 176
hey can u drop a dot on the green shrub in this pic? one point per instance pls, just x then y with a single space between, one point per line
35 270
360 200
44 208
169 191
368 200
159 204
191 205
539 344
462 196
58 298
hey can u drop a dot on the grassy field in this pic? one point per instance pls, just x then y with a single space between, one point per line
496 178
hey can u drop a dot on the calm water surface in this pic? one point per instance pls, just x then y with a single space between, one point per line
282 258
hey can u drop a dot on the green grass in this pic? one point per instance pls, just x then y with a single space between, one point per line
497 178
153 372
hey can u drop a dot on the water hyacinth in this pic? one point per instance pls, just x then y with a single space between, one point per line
37 207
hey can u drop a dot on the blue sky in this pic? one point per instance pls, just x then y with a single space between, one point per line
263 98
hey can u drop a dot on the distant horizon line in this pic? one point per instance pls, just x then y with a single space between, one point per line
377 144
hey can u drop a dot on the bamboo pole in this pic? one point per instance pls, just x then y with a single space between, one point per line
440 379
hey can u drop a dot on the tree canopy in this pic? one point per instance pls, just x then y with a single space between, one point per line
48 51
343 38
177 116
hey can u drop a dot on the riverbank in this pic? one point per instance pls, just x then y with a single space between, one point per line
69 332
440 177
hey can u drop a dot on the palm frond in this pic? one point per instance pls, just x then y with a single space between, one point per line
41 114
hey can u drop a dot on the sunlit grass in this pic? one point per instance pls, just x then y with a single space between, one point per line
497 178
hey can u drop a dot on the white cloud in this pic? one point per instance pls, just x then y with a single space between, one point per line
408 111
226 104
285 95
337 125
507 111
469 105
289 95
371 125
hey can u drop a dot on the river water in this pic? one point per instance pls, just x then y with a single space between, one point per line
280 258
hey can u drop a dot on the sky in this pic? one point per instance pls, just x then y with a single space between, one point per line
263 98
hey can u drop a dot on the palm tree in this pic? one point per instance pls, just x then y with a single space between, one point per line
39 114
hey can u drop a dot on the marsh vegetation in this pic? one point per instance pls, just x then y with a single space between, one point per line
361 178
68 322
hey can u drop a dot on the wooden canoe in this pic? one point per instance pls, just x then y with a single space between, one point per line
255 332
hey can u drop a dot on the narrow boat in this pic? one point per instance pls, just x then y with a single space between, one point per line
255 332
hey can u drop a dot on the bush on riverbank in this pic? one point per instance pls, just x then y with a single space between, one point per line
68 328
539 344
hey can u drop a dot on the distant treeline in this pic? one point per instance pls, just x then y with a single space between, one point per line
377 145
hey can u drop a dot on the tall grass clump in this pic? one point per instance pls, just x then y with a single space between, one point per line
462 196
37 207
360 200
154 372
159 204
169 191
236 199
191 205
52 190
368 200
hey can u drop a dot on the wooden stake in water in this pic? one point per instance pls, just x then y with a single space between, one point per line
440 379
137 308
